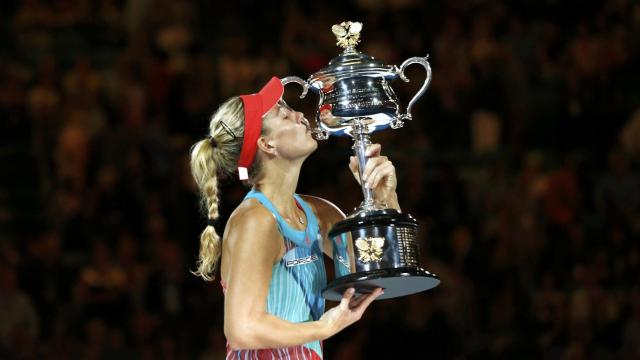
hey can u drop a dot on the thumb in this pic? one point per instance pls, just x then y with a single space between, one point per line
346 298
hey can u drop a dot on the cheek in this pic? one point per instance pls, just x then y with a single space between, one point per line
295 143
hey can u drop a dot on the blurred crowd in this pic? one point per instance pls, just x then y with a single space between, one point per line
520 165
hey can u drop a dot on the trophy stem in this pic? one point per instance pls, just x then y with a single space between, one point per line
360 144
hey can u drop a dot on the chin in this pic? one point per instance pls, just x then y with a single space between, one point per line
310 147
314 145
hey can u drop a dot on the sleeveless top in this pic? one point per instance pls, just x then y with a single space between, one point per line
296 283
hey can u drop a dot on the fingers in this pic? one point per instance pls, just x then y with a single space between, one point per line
368 299
379 173
355 301
375 164
346 298
372 165
344 315
376 169
374 150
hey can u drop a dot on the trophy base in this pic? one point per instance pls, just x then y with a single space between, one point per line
396 282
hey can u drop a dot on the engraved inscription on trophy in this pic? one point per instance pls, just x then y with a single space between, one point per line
354 94
352 98
407 246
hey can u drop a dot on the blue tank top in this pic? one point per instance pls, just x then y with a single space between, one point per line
297 279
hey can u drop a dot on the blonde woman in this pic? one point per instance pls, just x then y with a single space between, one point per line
271 253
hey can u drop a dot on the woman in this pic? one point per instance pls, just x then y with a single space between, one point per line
272 269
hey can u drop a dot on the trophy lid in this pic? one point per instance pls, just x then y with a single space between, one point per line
351 63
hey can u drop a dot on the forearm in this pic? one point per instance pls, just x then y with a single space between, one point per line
269 331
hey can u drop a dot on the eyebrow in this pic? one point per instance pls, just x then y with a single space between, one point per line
272 109
281 103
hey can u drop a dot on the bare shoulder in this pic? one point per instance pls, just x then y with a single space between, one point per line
324 209
251 210
250 219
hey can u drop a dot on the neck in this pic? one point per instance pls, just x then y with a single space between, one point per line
278 183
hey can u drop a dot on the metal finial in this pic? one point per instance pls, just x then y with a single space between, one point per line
347 33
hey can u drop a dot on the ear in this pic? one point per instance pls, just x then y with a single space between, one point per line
265 145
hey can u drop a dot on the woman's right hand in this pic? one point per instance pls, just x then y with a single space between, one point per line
348 311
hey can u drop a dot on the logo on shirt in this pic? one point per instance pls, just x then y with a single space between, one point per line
343 261
301 261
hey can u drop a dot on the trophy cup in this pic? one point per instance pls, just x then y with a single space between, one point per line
375 246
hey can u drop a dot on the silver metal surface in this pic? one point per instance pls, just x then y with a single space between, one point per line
355 98
421 61
361 142
357 86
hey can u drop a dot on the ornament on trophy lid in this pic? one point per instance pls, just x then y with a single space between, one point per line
347 33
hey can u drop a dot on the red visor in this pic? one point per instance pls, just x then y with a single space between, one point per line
255 106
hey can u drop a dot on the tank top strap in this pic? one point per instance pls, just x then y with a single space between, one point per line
301 237
254 194
285 229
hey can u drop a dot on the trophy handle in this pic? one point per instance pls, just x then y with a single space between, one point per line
297 80
414 60
316 131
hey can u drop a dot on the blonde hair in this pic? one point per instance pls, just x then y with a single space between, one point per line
213 159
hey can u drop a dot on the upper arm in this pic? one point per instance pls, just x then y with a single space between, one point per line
328 215
252 249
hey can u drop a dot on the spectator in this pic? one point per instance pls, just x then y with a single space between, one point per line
19 322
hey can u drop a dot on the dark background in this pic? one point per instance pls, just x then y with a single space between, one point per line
520 164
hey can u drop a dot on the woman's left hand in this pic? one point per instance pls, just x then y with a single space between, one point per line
379 174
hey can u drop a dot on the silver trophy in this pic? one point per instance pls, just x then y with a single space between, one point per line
375 246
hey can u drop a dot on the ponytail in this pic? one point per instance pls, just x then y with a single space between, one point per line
213 159
203 168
